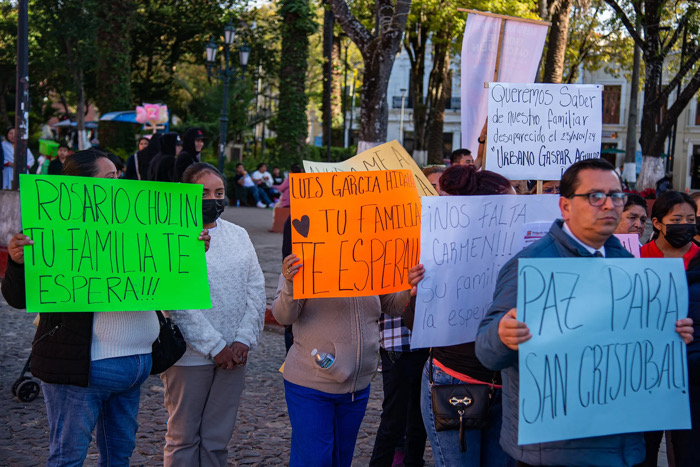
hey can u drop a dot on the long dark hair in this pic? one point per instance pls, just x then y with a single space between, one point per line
83 163
195 171
665 203
466 180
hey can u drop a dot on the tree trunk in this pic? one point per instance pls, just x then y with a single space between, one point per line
439 89
652 171
657 121
416 47
556 43
292 129
336 83
327 104
114 70
630 168
378 52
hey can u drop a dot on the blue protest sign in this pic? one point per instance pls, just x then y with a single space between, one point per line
465 240
604 357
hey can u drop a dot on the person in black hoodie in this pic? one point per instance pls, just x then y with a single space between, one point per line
192 144
131 173
138 164
162 168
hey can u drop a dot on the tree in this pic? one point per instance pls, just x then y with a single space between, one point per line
436 27
68 49
559 11
167 32
644 20
378 49
114 69
297 23
8 59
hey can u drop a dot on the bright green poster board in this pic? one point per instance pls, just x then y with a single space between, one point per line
112 245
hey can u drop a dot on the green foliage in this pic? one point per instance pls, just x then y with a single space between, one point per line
318 154
114 69
297 23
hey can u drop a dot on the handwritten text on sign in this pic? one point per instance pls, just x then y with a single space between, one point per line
465 240
112 245
536 131
604 357
387 156
356 233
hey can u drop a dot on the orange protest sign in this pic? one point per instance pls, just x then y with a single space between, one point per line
356 233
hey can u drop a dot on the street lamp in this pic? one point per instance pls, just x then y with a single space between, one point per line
226 73
403 100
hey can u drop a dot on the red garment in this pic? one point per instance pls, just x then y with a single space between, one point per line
461 376
650 250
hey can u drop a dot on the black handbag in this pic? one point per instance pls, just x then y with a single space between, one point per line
460 406
169 347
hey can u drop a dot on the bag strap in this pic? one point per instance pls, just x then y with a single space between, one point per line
161 318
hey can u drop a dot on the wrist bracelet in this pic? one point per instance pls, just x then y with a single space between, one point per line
481 141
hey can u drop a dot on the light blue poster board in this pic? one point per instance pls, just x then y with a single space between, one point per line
465 240
604 357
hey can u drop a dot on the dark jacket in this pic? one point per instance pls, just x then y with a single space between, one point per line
142 159
131 173
61 347
162 166
55 167
189 154
619 450
685 442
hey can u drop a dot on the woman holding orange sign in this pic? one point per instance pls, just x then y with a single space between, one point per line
328 368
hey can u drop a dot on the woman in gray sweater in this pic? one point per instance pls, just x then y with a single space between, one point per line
326 405
203 389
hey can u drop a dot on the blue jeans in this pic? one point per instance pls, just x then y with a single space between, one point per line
110 403
259 194
483 448
324 426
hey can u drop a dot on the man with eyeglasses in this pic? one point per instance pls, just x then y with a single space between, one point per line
591 205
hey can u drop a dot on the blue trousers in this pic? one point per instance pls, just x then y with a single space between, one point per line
109 404
483 448
324 426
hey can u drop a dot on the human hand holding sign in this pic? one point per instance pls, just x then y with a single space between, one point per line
206 238
16 247
684 328
289 268
511 331
415 275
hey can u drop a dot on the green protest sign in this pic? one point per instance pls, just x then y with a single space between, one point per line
112 245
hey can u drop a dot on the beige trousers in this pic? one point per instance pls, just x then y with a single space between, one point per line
202 403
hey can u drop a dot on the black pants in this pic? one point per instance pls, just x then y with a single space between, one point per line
401 408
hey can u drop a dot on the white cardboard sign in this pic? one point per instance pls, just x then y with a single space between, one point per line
536 131
465 240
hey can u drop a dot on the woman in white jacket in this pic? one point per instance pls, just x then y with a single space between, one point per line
203 389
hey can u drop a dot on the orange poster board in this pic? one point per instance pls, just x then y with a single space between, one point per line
356 233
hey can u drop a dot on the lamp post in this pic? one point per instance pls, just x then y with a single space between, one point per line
226 73
403 100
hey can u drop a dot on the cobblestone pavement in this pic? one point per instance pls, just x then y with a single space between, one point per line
262 433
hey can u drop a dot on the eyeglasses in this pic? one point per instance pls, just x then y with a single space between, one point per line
550 190
598 198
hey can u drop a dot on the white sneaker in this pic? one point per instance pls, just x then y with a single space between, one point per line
261 204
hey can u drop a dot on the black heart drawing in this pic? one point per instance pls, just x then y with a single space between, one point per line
302 226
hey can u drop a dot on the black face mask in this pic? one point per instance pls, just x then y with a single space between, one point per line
679 235
212 209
